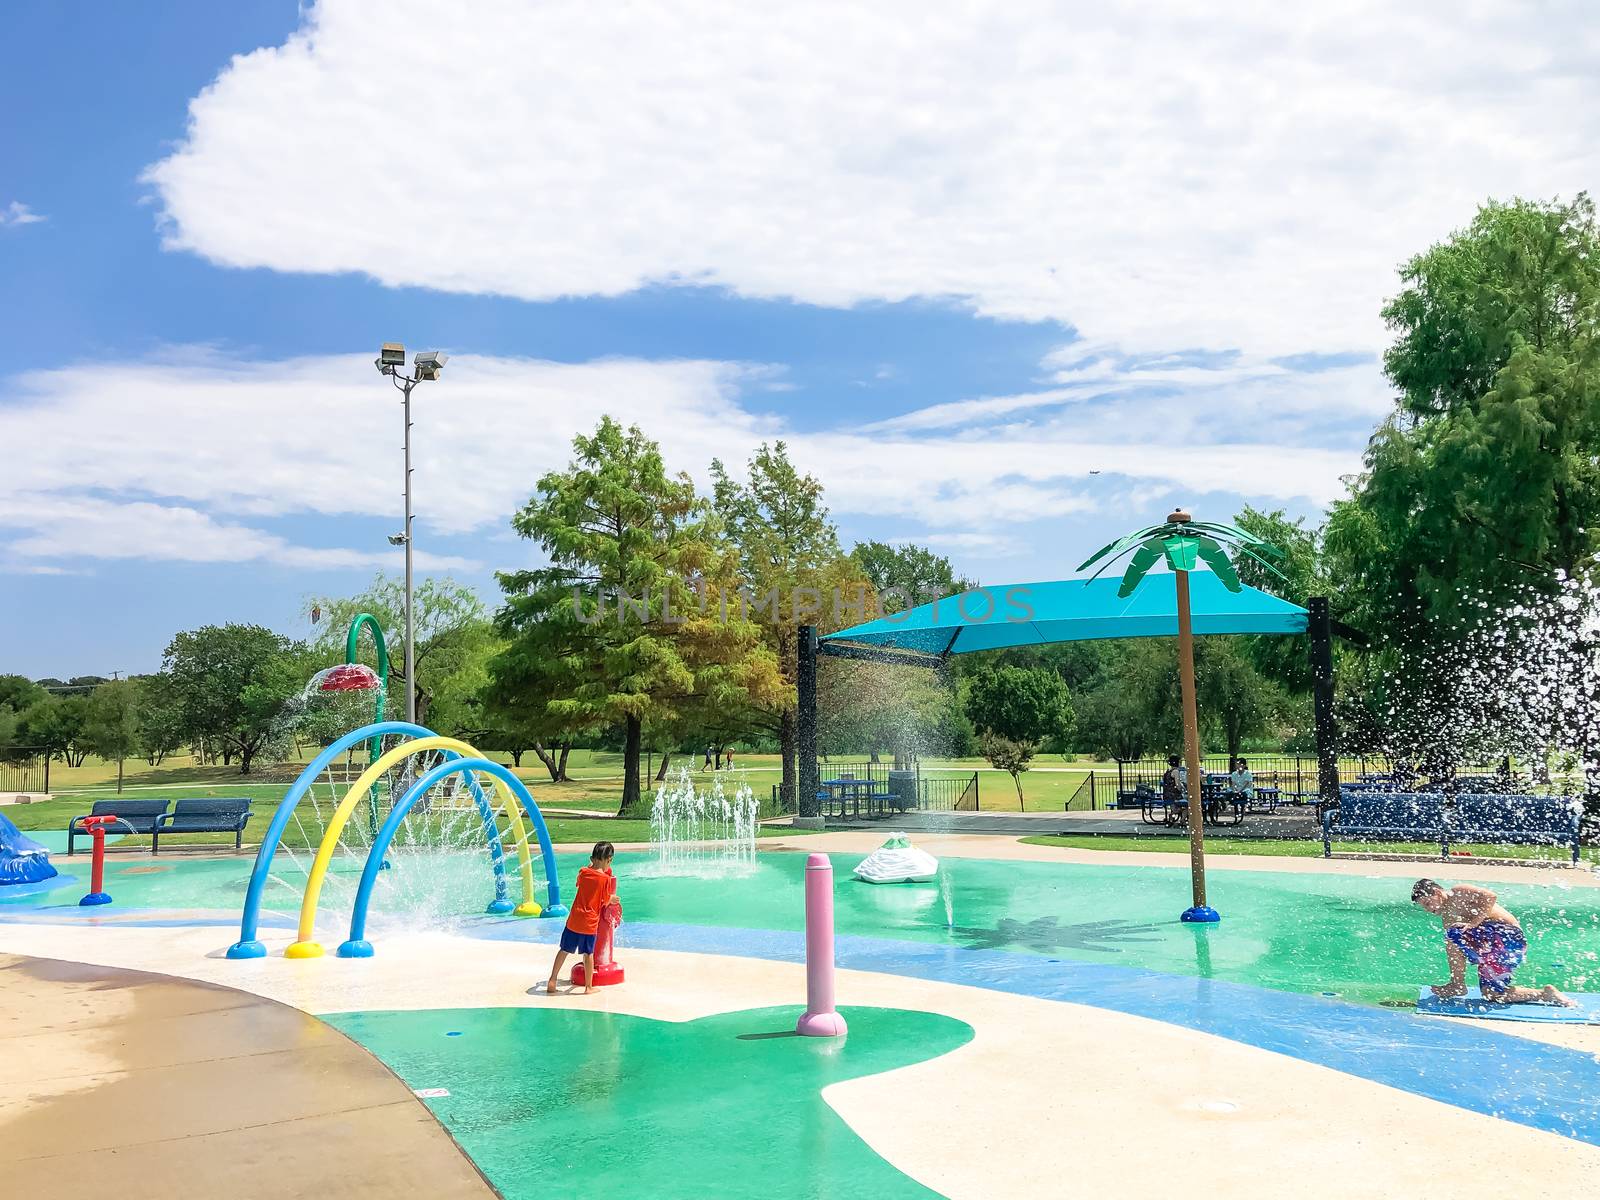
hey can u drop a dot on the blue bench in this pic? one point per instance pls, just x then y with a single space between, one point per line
137 816
1413 816
204 816
1473 817
1515 820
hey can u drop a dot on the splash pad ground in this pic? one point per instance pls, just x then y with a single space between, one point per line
1055 1000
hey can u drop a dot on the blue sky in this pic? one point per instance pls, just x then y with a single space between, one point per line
958 267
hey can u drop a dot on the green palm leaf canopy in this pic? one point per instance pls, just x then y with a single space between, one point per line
1182 541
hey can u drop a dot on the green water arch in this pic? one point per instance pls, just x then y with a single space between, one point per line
352 645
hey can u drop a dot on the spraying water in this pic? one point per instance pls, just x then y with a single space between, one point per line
436 875
703 833
1514 683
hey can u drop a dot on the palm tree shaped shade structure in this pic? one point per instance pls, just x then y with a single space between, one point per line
1184 542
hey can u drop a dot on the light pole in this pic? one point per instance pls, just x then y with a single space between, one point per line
425 367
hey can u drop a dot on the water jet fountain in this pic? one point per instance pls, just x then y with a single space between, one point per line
703 833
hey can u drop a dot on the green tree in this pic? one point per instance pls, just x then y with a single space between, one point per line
1138 710
1299 575
111 722
511 719
1486 479
904 576
789 556
1009 756
452 635
624 627
1235 697
513 713
161 728
1134 709
17 693
1014 709
233 683
55 727
1025 705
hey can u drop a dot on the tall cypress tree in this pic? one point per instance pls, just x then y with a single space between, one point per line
626 625
790 560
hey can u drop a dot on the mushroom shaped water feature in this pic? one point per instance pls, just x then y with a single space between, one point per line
358 677
349 677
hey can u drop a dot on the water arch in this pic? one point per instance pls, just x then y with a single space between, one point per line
305 947
356 946
248 946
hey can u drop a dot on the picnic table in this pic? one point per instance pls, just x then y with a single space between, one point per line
848 791
1217 804
1261 799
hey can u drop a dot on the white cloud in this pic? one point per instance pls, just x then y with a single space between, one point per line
183 457
1161 175
18 213
78 526
130 459
32 568
988 545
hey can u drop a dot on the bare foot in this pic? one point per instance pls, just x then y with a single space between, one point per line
550 988
1551 996
590 988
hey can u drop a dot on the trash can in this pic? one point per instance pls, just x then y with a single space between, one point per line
903 790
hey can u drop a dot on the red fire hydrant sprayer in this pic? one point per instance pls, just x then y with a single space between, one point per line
97 871
606 969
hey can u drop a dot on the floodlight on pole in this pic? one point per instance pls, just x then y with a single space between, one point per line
426 366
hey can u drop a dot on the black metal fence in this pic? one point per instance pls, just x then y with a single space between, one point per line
27 771
937 791
836 767
1083 796
948 793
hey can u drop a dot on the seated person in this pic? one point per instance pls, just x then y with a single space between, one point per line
1242 781
1478 930
1175 780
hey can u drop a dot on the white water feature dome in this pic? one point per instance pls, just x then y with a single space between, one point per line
898 861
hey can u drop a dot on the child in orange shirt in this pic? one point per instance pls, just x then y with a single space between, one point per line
597 887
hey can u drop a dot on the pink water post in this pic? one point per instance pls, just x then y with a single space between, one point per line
820 1019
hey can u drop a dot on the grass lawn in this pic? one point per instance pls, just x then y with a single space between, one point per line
595 778
1175 843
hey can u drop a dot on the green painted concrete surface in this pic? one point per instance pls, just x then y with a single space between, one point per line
565 1102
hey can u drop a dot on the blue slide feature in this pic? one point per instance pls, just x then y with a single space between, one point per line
1585 1009
22 860
357 946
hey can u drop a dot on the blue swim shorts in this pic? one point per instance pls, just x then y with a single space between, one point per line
574 942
